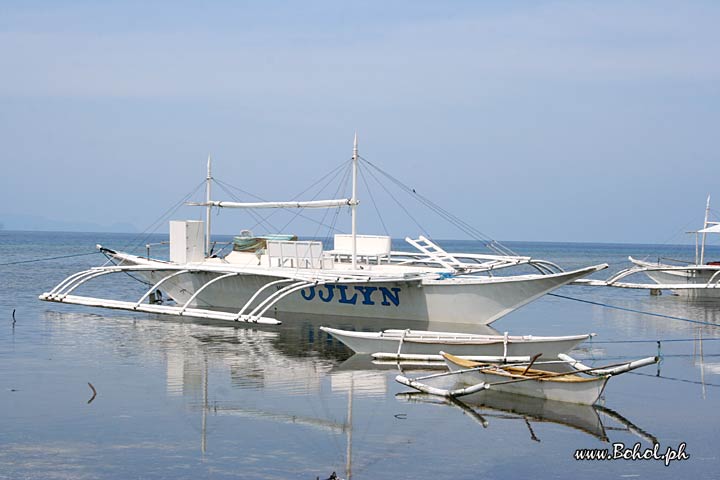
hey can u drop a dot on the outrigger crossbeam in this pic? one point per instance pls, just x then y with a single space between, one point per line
250 312
62 293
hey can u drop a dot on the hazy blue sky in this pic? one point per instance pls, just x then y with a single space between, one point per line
558 121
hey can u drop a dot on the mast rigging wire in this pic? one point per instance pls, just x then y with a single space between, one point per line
453 219
142 237
339 192
299 211
399 204
372 198
259 219
48 258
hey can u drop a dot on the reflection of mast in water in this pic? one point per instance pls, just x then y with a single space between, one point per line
348 454
203 444
369 383
364 382
334 427
347 382
255 363
698 350
238 411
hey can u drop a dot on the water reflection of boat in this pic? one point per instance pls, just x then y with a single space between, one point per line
290 357
288 378
489 407
282 361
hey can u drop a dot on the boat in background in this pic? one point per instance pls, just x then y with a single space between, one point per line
361 276
695 279
410 344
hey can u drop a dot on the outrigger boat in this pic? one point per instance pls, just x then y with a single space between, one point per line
360 277
424 345
695 279
581 384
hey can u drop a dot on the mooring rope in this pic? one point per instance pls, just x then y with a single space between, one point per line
655 341
635 311
675 379
48 258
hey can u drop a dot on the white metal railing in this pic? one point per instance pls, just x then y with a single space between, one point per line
297 254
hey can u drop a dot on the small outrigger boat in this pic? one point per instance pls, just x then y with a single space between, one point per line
696 279
581 384
406 344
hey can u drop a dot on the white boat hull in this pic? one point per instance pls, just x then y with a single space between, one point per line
468 300
430 343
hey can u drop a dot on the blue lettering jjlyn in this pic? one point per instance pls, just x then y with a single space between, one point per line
366 293
310 295
390 296
331 293
393 297
343 295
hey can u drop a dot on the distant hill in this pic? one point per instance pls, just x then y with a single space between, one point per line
31 222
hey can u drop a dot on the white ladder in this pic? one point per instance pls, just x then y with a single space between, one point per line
435 253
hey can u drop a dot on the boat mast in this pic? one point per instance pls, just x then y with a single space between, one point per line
353 202
208 209
705 224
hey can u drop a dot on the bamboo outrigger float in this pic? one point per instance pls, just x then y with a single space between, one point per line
361 276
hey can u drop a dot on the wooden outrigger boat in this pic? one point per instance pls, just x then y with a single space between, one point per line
406 344
361 276
581 384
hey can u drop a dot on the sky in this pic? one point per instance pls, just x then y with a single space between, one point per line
538 121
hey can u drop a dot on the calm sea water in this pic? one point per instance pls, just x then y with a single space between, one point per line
183 399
